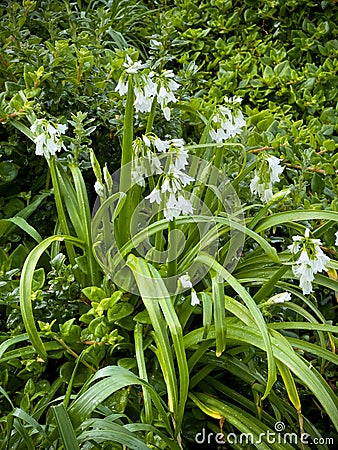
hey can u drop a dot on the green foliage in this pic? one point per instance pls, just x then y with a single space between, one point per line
87 364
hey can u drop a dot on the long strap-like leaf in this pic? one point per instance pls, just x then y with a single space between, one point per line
26 289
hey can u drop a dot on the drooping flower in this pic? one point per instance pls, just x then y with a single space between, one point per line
261 189
148 86
228 121
154 196
146 162
138 173
171 210
132 66
99 188
275 168
311 260
161 146
280 298
194 299
122 87
266 174
142 102
185 282
184 205
48 139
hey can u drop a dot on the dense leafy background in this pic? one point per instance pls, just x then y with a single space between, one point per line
62 58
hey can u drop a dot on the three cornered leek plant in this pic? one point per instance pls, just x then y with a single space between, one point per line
170 231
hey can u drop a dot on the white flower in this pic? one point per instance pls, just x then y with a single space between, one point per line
177 206
178 143
154 196
227 123
184 178
142 103
185 281
150 88
280 298
336 234
311 260
155 163
48 139
138 173
181 159
165 94
161 146
131 66
171 211
264 178
234 99
122 87
166 112
275 168
99 188
174 180
260 189
166 186
194 299
184 205
181 155
146 140
294 248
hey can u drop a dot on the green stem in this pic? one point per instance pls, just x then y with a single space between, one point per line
210 196
139 351
85 217
62 217
172 250
123 224
127 141
151 116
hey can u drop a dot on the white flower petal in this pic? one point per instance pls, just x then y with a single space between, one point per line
185 281
194 299
184 205
154 196
281 298
99 188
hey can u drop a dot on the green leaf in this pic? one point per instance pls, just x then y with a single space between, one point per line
254 310
65 427
104 383
8 171
119 311
219 312
154 294
94 293
26 289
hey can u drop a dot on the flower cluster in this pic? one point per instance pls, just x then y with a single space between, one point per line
48 139
169 190
148 86
311 260
227 122
266 175
172 188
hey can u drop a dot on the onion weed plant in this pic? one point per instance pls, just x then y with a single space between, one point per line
199 321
